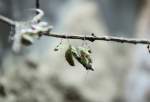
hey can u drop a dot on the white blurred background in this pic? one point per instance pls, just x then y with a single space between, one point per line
39 74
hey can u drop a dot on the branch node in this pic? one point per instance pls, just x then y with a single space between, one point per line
91 39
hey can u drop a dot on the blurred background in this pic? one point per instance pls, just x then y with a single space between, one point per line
39 74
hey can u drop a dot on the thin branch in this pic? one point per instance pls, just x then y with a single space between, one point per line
90 38
104 38
37 4
7 20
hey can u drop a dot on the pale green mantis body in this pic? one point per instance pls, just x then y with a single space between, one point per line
81 54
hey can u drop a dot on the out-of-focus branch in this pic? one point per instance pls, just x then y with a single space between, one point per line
90 38
37 4
7 20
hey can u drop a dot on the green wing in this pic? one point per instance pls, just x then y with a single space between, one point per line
83 57
69 56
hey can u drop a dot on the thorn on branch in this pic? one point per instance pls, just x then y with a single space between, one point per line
148 47
92 39
93 35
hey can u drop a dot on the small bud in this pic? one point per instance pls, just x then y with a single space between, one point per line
26 40
56 49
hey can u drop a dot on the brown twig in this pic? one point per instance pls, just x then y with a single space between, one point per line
104 38
90 38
